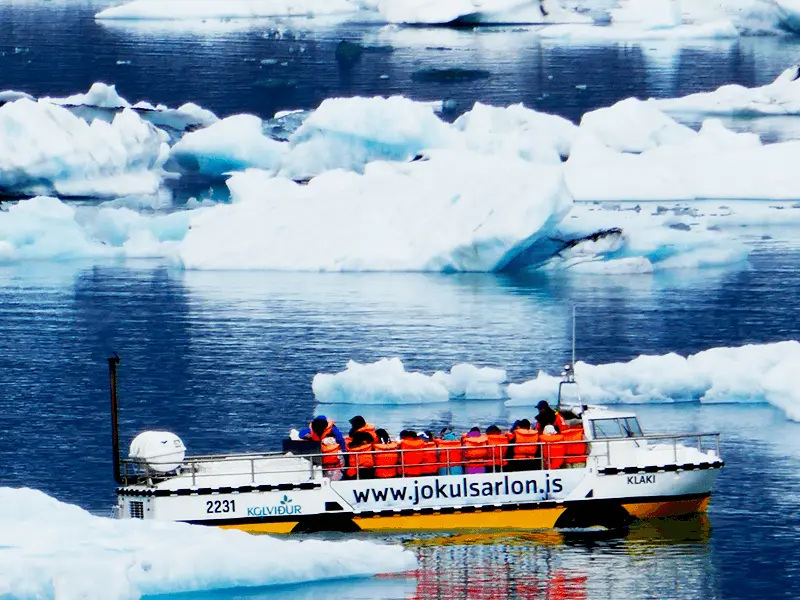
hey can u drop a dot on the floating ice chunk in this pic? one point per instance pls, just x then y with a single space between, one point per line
634 126
383 382
788 12
56 550
473 383
232 144
440 12
349 132
781 97
752 373
532 135
47 149
12 96
100 94
454 211
230 9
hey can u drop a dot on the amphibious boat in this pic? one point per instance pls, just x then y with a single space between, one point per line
607 474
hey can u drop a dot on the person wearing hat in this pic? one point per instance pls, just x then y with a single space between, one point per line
320 428
547 416
359 425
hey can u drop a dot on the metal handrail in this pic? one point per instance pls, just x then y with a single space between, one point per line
142 474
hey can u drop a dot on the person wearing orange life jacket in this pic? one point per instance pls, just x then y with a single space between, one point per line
360 456
476 451
498 448
412 453
430 454
552 451
332 459
525 450
387 455
320 428
450 453
547 416
358 424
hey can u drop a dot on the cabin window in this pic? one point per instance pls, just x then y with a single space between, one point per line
616 428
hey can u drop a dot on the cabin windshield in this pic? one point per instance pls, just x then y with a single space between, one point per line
616 428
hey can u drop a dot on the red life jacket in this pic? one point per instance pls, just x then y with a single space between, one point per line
552 453
386 459
330 455
575 453
561 423
526 444
411 456
476 450
370 430
359 457
498 447
430 459
450 453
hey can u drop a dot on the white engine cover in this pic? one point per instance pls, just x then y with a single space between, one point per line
162 451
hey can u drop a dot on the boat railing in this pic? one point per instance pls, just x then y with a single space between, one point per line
258 468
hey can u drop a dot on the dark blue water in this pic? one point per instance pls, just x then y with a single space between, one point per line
226 359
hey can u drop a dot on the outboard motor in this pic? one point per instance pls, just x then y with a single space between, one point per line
160 451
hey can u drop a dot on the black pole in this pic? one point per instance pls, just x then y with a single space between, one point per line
112 375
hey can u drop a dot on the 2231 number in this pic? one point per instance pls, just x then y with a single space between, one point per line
220 506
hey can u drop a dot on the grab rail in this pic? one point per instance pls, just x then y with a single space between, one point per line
545 456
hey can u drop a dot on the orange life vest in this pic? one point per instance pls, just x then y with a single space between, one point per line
561 423
359 457
369 429
386 459
412 456
430 459
575 453
526 443
476 450
498 443
450 453
326 433
330 455
552 453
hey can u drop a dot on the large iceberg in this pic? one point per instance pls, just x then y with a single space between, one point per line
47 149
442 12
781 98
230 9
52 550
752 373
386 382
450 211
632 151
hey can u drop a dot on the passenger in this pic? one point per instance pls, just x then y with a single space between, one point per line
476 451
358 424
411 456
552 450
320 428
360 458
525 450
387 455
450 453
498 447
430 456
547 416
332 459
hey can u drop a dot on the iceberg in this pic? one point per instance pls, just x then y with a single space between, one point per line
471 212
779 98
233 144
52 550
100 95
751 373
634 152
47 149
383 382
473 383
442 12
230 9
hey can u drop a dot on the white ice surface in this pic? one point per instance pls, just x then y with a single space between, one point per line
453 211
233 144
439 12
781 97
752 373
55 551
473 383
48 149
100 94
229 9
383 382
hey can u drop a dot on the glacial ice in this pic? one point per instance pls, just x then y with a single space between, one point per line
471 212
442 12
233 144
100 95
57 551
781 97
751 373
473 383
230 9
47 149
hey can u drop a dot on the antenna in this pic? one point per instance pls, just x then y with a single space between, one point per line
573 338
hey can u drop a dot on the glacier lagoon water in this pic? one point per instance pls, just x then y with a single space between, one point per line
226 359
